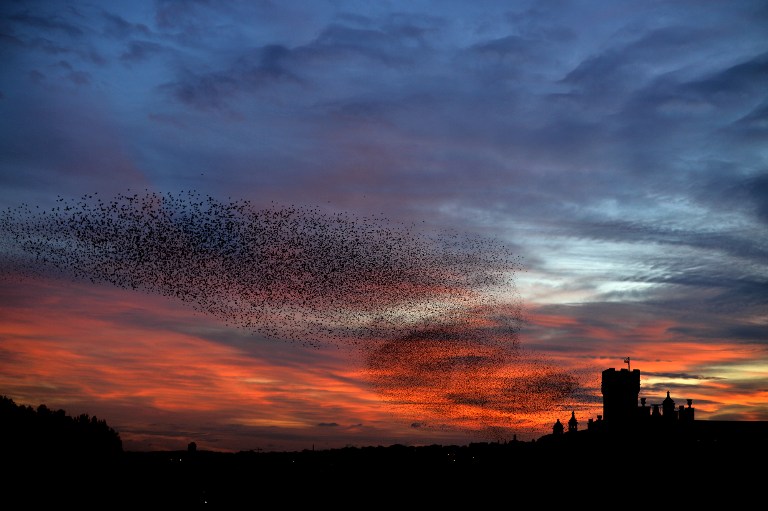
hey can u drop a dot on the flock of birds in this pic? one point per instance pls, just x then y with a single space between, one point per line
435 312
288 273
478 379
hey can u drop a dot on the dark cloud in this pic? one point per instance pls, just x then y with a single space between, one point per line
385 47
307 65
738 413
607 78
10 41
506 48
141 50
678 376
51 23
248 75
733 86
79 77
675 100
694 313
758 192
753 334
655 232
116 26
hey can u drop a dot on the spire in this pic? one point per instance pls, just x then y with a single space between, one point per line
668 406
573 424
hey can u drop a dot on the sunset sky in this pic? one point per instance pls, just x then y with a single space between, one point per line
491 202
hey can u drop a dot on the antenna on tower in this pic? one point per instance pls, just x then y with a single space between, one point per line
626 361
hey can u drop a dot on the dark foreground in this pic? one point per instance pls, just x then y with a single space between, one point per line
518 474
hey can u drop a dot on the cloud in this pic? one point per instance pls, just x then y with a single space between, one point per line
141 50
47 23
117 26
246 76
758 193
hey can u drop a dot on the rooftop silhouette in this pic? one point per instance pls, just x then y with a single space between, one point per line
628 419
663 445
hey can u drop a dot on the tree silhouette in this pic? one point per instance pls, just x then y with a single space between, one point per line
31 433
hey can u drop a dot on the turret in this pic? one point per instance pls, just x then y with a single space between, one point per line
620 390
668 408
573 424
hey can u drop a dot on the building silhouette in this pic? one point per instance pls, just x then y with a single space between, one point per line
628 419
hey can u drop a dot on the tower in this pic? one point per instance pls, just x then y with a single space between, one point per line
573 424
668 408
620 391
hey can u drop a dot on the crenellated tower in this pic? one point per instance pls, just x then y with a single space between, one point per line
620 392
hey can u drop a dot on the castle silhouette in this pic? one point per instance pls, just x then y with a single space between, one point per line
632 444
627 418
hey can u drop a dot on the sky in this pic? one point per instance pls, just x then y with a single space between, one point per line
291 225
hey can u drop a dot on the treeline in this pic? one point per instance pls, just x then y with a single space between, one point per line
41 433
